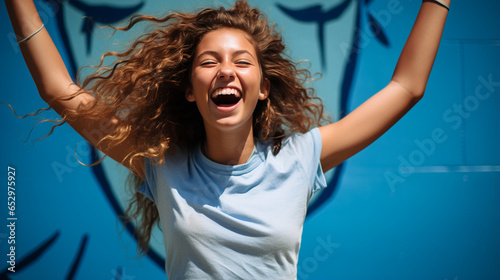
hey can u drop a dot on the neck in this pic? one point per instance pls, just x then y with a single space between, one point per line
229 147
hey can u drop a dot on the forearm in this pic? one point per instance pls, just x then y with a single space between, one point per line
40 54
418 55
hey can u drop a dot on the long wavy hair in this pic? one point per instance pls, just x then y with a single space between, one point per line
145 87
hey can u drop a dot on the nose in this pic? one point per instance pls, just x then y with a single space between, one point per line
226 72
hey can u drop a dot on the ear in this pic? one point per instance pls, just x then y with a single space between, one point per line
189 95
264 89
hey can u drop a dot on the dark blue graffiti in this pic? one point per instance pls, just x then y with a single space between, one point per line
101 14
78 258
377 30
33 256
316 14
38 252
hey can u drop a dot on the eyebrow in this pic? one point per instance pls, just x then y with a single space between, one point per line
214 53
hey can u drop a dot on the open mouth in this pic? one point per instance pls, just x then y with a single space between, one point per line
226 97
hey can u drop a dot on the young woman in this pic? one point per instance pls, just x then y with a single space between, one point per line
215 122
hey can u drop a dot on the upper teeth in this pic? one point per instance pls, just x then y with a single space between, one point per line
226 91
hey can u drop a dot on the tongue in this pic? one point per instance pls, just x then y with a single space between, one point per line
225 100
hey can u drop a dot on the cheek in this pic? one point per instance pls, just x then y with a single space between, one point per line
252 82
197 86
202 79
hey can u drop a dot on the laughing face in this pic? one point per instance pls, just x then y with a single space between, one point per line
226 80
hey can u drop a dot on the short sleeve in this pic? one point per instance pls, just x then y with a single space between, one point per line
316 169
308 147
148 187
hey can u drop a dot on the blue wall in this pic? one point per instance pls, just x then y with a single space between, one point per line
422 202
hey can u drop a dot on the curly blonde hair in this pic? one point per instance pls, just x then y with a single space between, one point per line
145 87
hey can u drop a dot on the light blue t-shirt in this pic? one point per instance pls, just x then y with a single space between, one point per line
236 222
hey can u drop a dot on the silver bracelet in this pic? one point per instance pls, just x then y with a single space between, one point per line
440 3
29 37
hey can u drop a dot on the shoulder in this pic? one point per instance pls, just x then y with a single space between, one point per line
310 139
299 147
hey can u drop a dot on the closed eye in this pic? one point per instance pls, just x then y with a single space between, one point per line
244 62
206 63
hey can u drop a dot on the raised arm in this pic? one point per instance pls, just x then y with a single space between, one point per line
54 82
371 119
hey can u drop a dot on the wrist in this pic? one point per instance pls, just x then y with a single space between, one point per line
443 3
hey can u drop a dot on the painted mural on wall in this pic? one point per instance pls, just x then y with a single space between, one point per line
331 35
